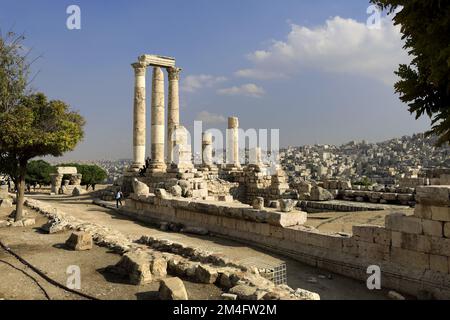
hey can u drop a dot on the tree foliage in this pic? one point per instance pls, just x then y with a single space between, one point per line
30 125
425 83
38 173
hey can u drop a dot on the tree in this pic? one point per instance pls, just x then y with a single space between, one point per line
91 174
425 83
38 172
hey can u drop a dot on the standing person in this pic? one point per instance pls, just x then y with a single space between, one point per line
119 196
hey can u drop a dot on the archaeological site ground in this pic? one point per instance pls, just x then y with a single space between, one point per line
170 184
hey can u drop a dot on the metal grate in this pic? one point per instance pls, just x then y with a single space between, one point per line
275 271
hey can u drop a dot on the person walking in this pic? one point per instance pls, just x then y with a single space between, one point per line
119 196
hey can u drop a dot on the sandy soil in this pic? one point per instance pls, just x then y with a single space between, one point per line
47 253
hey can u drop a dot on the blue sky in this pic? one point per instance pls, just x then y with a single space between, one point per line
310 68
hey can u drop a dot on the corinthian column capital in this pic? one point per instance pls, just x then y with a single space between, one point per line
174 73
139 68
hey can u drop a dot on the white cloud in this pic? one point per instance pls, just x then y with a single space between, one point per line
340 45
211 118
193 83
249 89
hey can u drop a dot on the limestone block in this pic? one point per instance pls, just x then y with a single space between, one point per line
433 228
79 241
373 251
411 225
29 222
439 263
410 241
228 296
158 267
258 203
440 213
6 203
287 219
382 236
388 196
410 259
205 274
140 188
422 211
244 292
78 191
394 221
172 289
136 266
176 191
320 194
433 195
447 230
440 246
66 170
287 205
363 233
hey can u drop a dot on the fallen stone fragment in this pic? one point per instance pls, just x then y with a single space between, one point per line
135 266
80 241
306 295
29 222
244 292
172 289
258 203
195 230
205 274
393 295
4 223
287 205
228 296
6 203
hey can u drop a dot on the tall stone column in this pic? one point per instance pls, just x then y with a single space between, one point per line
173 110
139 126
207 150
233 143
157 140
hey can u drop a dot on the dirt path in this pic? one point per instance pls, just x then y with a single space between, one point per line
299 275
47 253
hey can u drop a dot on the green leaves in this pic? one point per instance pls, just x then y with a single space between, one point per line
425 84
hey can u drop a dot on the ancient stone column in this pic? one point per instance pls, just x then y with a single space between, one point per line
157 140
173 109
139 127
207 149
56 180
233 143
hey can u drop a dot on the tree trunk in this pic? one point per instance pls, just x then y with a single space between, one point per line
20 195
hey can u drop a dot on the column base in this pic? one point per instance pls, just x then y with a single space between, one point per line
157 167
135 167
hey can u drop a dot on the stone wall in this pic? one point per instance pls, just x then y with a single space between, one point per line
412 252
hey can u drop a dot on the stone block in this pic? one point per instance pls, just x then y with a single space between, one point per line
172 289
447 230
422 211
439 263
363 233
79 241
287 205
433 195
411 225
136 266
244 292
410 259
206 274
440 213
287 219
6 203
411 241
433 228
382 236
394 221
258 203
440 246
